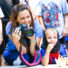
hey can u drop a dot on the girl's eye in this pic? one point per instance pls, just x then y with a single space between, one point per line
49 37
55 37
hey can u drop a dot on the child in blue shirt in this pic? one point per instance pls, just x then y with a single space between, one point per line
51 48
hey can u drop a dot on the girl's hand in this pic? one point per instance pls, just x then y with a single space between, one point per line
61 61
16 35
50 47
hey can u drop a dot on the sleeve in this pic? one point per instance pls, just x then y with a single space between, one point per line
1 13
38 29
42 53
62 51
64 6
8 28
66 38
36 6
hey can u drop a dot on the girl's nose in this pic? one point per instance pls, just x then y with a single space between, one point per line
52 39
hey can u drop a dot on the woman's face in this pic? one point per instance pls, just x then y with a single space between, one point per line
24 17
51 37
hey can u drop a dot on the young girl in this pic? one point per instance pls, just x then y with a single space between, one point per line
51 47
20 15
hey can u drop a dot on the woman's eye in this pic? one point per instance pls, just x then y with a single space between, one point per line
22 18
28 16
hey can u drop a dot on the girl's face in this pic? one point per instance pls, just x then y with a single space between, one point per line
51 37
24 17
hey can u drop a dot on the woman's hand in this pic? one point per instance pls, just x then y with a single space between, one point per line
16 35
32 38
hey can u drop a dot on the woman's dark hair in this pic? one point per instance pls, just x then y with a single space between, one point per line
14 14
45 44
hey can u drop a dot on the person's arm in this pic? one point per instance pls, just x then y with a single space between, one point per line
65 14
38 32
62 51
15 37
39 41
37 11
45 59
1 35
32 44
40 19
65 31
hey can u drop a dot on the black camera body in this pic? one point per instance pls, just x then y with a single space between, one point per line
26 31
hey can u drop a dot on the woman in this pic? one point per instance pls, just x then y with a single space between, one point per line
20 15
51 48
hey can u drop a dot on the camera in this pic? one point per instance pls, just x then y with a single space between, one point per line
26 31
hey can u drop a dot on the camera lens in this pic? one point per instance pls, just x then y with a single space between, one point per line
26 31
30 32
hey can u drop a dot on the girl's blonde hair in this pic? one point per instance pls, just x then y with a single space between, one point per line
50 29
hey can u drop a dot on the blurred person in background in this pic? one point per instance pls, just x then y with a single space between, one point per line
1 34
6 6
